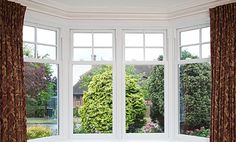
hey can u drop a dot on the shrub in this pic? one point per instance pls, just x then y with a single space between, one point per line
38 132
156 92
195 95
202 132
151 127
96 111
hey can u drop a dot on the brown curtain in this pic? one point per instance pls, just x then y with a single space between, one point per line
223 60
12 96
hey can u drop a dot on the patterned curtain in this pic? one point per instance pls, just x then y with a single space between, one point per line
12 96
223 60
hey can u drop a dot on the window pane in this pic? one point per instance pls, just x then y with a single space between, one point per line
102 54
28 33
82 54
206 51
46 52
153 40
190 52
153 54
103 39
82 39
134 54
134 40
46 36
206 34
144 98
92 99
28 50
194 94
190 37
42 99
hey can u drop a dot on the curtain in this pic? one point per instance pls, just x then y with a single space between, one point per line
223 61
12 96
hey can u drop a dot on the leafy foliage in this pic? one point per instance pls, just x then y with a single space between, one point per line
135 107
38 132
40 87
96 111
195 92
156 92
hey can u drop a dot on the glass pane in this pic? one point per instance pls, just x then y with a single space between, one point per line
82 54
102 54
190 52
41 84
190 37
144 98
206 34
82 39
154 54
28 50
134 40
46 52
28 33
46 36
153 40
195 96
134 54
103 39
92 99
206 52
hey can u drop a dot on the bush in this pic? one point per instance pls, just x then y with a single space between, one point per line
195 95
202 132
38 132
156 92
96 111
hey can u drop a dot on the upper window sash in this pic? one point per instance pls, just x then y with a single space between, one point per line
194 41
40 43
144 46
90 46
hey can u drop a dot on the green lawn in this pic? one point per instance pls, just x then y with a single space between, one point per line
41 121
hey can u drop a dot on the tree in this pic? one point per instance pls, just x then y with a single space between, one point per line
40 87
96 111
156 93
195 92
195 87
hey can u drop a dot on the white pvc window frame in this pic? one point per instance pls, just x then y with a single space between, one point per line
58 62
114 70
178 62
164 62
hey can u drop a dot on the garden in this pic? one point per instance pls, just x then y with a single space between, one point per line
145 99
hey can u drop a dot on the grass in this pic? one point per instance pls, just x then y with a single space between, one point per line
41 121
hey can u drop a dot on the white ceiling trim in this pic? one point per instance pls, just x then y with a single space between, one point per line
62 11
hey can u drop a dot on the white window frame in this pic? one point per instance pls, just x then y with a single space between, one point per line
178 61
145 136
58 62
114 95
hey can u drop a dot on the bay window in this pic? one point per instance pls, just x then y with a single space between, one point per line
119 83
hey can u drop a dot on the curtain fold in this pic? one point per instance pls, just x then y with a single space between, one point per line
223 61
12 95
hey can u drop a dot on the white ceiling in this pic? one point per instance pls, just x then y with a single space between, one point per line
124 3
121 9
148 6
